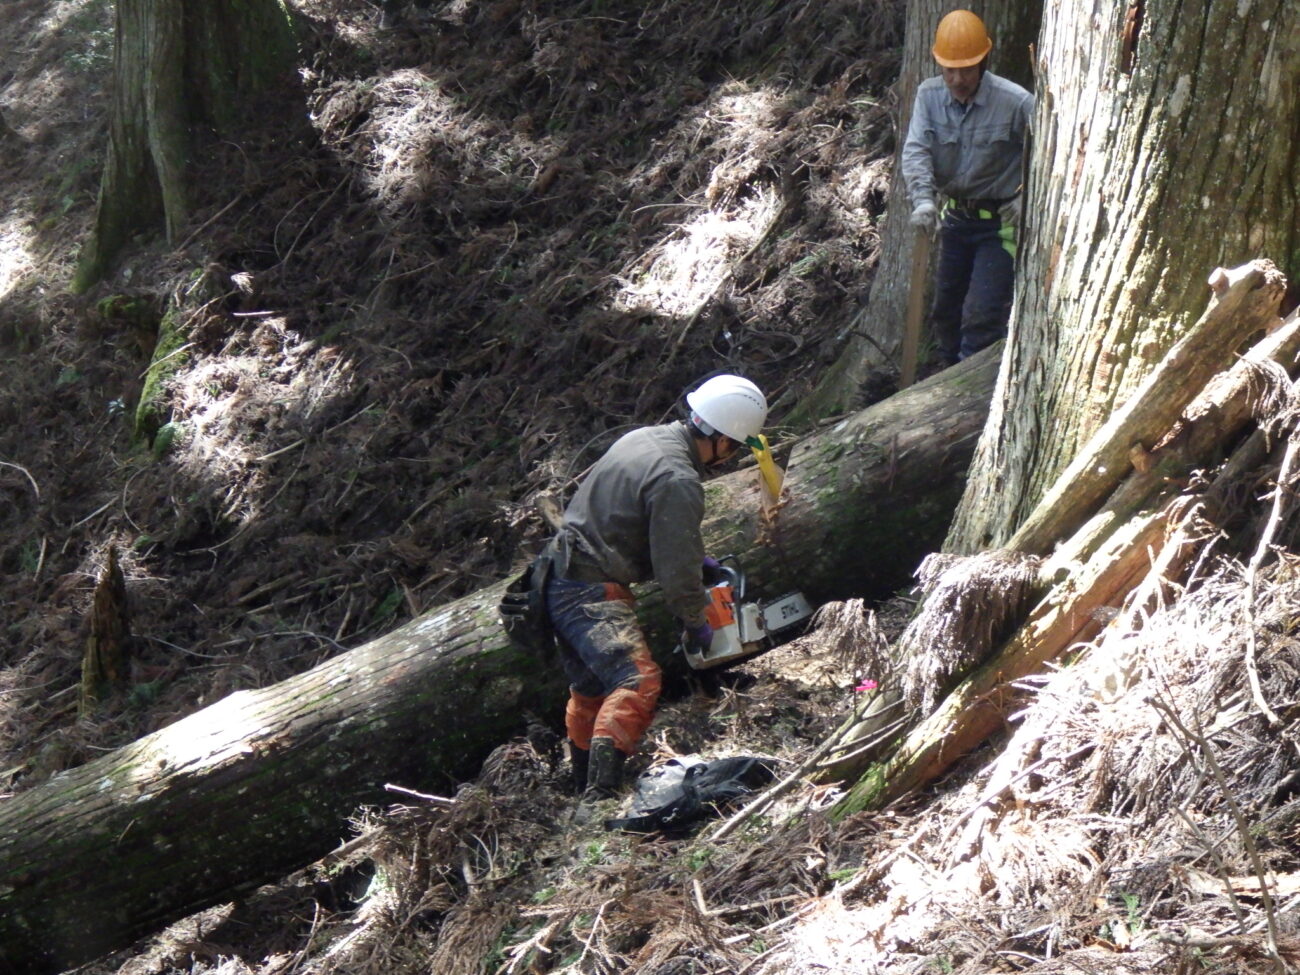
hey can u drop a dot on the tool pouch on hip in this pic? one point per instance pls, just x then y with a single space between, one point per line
523 608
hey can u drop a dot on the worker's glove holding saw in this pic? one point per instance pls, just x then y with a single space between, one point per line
711 571
697 638
925 217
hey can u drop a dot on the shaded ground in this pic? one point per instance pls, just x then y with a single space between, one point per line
481 246
433 283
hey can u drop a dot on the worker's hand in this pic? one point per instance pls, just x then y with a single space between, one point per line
925 217
1010 212
711 571
697 638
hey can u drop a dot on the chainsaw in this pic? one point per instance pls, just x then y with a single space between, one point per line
742 629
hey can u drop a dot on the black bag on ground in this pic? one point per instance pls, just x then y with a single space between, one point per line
523 608
676 796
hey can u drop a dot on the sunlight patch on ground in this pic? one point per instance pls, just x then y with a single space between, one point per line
73 41
698 258
57 58
739 208
219 400
15 255
421 137
868 938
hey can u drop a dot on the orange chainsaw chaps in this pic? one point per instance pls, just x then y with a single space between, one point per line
580 718
627 713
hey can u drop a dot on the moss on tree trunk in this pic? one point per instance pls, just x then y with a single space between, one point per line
167 359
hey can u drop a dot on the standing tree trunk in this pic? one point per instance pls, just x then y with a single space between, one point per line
871 357
176 66
1163 145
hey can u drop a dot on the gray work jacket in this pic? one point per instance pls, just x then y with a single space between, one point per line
966 152
637 517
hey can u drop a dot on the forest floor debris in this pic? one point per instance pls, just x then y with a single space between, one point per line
490 241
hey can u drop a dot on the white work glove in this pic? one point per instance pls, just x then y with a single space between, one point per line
925 217
1010 212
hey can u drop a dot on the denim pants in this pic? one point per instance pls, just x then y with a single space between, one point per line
973 284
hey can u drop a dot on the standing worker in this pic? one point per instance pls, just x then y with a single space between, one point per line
637 517
966 141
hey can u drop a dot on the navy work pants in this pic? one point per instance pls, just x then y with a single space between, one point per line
973 284
614 683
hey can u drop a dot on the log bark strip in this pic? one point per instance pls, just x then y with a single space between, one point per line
264 781
868 498
1212 420
1122 532
1249 305
977 708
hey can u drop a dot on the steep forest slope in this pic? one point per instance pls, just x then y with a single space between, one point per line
446 266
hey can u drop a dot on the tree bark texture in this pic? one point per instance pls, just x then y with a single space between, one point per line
874 343
1101 564
1248 307
264 781
175 66
1139 180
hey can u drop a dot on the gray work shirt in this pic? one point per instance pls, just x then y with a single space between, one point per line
970 151
637 517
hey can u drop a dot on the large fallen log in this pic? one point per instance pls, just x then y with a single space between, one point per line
264 781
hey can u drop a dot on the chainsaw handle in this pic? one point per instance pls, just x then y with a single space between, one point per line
732 575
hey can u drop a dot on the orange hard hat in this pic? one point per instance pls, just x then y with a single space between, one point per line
961 40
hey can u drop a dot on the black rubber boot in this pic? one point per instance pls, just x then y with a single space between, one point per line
580 761
605 770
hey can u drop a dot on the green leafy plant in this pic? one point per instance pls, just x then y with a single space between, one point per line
543 895
29 556
387 609
699 858
807 265
93 24
1134 917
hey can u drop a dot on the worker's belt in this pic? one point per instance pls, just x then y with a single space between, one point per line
580 570
978 208
581 567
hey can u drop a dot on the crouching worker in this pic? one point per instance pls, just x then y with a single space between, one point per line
637 517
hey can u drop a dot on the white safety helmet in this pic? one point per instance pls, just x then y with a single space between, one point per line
729 405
